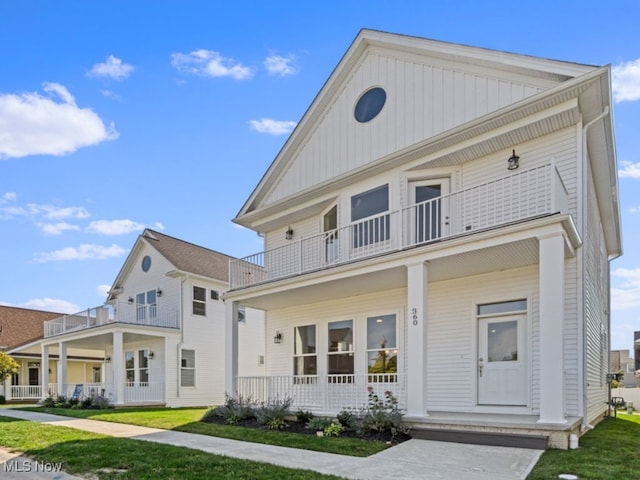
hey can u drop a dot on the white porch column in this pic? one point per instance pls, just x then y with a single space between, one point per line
231 348
44 369
417 339
117 364
62 368
551 273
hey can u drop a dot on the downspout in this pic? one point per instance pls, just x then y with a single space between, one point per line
585 158
179 346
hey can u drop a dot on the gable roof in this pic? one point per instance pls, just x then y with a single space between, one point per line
185 257
188 257
19 326
543 73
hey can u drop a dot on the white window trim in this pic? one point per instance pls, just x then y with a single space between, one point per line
188 368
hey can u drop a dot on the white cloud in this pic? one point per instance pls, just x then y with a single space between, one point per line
281 66
103 290
625 81
626 294
50 212
51 305
83 252
56 228
112 68
629 169
32 124
272 127
210 64
8 197
114 227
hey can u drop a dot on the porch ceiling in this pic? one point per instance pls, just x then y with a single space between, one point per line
95 342
388 277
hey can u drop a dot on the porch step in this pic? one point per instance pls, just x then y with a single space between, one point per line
538 442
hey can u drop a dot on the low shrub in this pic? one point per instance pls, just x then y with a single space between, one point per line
333 430
234 410
3 400
303 416
273 412
318 424
380 415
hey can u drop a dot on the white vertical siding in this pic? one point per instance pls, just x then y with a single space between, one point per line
424 98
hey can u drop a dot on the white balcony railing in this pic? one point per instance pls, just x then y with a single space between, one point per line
326 393
524 195
150 315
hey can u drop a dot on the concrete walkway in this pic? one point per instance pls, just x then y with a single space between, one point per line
414 459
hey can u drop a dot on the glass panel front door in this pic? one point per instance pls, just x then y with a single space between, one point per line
430 214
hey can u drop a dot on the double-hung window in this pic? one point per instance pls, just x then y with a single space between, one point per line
369 226
305 360
199 301
188 368
382 348
340 351
137 368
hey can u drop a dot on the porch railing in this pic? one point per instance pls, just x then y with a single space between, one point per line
144 392
138 392
123 312
25 392
324 393
524 195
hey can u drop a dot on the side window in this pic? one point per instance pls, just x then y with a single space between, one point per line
305 360
188 368
382 347
199 301
340 352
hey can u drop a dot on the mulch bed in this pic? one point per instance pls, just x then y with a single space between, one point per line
294 426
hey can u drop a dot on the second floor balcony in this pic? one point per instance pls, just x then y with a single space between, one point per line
123 312
515 198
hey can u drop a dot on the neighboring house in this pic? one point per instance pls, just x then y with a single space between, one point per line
20 330
620 361
636 349
440 225
161 333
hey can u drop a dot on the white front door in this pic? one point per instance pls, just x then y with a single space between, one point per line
502 371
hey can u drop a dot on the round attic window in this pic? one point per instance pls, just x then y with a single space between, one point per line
370 104
146 263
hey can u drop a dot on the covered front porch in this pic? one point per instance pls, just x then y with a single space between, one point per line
131 369
444 298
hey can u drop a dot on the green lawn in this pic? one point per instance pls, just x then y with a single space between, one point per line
104 457
609 452
187 420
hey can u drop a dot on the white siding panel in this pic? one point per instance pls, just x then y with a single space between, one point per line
440 95
452 331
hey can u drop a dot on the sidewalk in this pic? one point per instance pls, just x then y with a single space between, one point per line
414 459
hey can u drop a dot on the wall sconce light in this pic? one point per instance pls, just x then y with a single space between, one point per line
130 300
151 355
514 161
288 234
107 359
277 338
159 292
49 371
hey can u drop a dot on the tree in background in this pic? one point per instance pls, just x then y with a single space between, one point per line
8 366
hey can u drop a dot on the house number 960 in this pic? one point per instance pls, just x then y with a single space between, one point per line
414 315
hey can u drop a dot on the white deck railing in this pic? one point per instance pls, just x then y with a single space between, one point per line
25 392
150 315
524 195
144 392
327 393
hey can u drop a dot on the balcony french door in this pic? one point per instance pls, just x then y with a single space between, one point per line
146 306
431 216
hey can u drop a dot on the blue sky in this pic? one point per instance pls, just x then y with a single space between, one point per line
119 115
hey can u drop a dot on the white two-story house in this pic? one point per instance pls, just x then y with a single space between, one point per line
160 336
440 225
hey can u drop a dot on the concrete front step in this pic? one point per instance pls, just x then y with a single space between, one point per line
538 442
